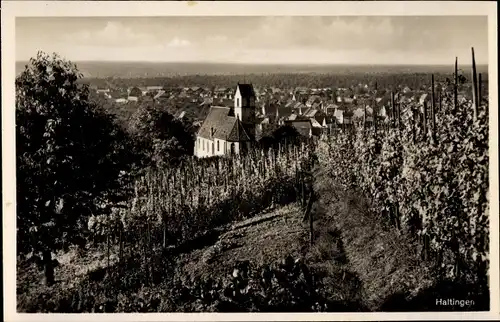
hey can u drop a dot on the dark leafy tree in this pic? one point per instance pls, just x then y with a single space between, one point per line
135 91
71 158
273 135
165 139
286 132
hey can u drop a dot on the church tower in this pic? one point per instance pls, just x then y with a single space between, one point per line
244 103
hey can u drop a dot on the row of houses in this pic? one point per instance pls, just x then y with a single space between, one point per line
306 96
310 111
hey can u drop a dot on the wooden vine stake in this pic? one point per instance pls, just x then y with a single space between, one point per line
440 93
398 109
364 119
479 85
413 124
311 226
393 108
425 120
455 89
475 98
309 216
120 241
433 109
107 245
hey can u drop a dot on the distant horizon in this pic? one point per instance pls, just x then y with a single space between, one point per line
259 64
141 69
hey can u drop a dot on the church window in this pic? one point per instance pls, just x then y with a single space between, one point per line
218 146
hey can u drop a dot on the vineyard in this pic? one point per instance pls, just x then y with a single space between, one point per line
172 211
422 173
425 172
174 206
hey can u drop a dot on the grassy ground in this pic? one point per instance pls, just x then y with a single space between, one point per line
262 239
392 273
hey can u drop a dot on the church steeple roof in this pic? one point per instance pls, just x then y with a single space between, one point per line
246 90
238 133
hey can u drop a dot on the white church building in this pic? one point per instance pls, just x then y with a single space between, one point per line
229 130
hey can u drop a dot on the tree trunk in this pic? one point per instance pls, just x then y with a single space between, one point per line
48 267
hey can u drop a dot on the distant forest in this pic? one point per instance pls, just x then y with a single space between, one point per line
284 81
120 74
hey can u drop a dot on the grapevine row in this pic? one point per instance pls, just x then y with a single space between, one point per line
174 205
427 175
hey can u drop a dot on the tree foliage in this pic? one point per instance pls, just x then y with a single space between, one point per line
165 140
71 155
273 135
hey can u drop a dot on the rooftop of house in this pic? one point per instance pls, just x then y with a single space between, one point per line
303 126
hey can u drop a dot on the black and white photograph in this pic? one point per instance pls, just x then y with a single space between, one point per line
260 161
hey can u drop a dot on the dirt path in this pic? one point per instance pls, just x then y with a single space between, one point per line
262 239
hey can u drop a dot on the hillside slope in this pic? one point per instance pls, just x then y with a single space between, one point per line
393 274
86 285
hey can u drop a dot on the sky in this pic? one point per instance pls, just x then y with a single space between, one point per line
257 40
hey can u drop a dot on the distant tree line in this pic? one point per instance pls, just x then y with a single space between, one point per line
284 81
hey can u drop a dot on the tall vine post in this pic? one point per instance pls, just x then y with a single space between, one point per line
433 109
393 110
424 120
479 88
475 96
455 88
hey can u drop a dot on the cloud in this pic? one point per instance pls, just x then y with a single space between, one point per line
217 39
378 33
177 42
114 33
351 39
321 32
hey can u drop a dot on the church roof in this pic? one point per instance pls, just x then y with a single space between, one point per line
238 133
224 126
246 90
